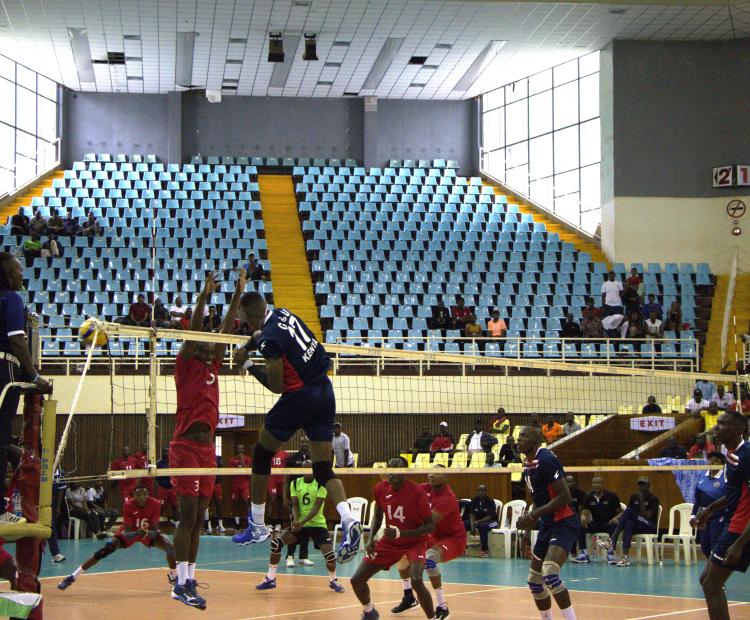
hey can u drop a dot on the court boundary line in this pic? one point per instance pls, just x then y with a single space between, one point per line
105 572
682 611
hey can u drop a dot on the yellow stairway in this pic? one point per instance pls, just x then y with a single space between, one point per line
33 191
290 274
580 243
741 308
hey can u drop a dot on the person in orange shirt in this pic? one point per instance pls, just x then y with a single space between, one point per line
496 327
551 430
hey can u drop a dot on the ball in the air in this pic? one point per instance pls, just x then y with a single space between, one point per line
86 333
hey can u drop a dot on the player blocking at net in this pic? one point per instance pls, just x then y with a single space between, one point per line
297 368
197 383
140 524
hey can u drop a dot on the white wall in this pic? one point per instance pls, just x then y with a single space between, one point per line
674 230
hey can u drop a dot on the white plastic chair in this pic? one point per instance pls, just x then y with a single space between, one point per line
650 541
358 507
685 535
509 516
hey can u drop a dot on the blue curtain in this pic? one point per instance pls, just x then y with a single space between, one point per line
686 480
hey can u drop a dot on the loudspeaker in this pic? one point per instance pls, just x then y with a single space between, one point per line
311 44
275 47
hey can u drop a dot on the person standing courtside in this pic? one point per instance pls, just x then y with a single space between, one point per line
15 362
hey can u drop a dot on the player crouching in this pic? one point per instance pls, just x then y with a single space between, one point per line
140 523
308 502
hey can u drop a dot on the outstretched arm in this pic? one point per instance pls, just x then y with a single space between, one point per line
196 323
228 322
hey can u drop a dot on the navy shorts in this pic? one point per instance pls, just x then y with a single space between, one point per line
561 534
312 408
722 545
709 536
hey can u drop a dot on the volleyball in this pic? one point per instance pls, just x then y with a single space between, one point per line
86 333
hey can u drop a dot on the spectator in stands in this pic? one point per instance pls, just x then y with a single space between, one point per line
651 407
570 426
701 448
636 329
615 325
177 311
461 314
184 322
639 518
51 248
653 326
38 224
341 448
600 512
479 440
510 452
551 430
723 399
707 388
631 300
652 306
590 309
496 326
569 328
20 224
32 247
674 318
673 450
472 329
576 494
422 443
139 313
611 295
161 314
710 417
697 403
482 518
443 441
96 498
212 321
634 279
441 318
592 326
534 421
501 424
743 405
78 508
254 269
56 224
71 227
91 227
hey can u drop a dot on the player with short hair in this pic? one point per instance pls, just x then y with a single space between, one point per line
297 368
446 543
731 552
409 520
197 382
558 524
308 503
140 523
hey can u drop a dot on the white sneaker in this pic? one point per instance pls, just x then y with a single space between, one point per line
306 562
290 561
9 517
221 529
58 558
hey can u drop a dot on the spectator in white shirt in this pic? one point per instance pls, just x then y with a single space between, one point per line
707 388
570 426
342 453
654 326
479 441
611 296
96 498
177 311
696 404
78 508
723 399
616 325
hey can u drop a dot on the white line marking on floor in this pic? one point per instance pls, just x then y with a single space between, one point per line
677 613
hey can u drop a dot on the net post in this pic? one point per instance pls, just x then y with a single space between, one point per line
151 411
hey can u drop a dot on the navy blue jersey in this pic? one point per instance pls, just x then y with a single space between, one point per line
540 473
709 489
737 473
163 481
285 336
12 318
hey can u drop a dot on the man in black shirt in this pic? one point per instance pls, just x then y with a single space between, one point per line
423 442
651 406
509 452
599 512
20 224
673 450
482 518
639 518
569 328
441 317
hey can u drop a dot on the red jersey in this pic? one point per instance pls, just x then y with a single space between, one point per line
442 443
126 463
197 394
243 461
146 518
444 501
276 483
407 509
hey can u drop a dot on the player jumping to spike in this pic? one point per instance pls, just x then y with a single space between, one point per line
558 524
296 367
196 378
140 523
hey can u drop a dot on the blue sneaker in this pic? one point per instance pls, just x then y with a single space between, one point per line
268 584
336 586
581 558
350 544
184 595
192 585
252 534
66 583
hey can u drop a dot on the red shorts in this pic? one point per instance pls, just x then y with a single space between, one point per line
218 491
450 547
166 496
387 554
129 541
275 485
240 491
188 453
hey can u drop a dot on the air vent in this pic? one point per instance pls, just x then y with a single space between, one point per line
417 85
135 78
113 58
341 44
302 3
417 60
238 40
229 81
350 94
443 46
131 37
332 64
325 83
233 61
618 11
133 59
228 87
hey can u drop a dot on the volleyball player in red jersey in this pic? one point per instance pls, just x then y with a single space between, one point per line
197 381
277 496
408 519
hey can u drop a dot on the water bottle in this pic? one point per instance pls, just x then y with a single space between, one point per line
16 499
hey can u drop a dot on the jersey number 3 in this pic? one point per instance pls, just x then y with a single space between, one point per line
397 514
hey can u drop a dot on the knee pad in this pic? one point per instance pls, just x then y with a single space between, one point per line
277 544
330 557
432 558
106 550
262 460
551 576
536 585
323 472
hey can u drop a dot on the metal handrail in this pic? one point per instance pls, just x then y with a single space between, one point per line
19 188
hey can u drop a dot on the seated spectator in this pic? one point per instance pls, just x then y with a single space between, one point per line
96 498
341 448
534 421
636 329
460 313
701 448
577 495
673 450
184 322
611 296
212 321
70 225
570 426
479 440
724 400
651 406
177 311
254 269
569 328
32 247
590 309
38 224
652 306
708 388
91 227
482 519
51 248
654 327
600 511
697 403
710 417
674 318
743 405
56 225
443 441
423 442
78 508
139 313
501 424
592 327
631 300
634 279
472 329
615 325
441 317
161 314
496 326
510 452
20 224
551 430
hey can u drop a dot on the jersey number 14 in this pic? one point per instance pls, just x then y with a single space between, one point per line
397 514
